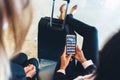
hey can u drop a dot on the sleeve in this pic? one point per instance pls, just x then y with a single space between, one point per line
59 76
28 78
62 71
87 63
89 67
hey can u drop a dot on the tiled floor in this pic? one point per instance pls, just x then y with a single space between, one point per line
47 68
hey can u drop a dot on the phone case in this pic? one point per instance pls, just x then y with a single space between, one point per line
71 44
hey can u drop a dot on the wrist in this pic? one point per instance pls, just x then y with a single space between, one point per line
63 68
29 76
61 71
87 63
82 60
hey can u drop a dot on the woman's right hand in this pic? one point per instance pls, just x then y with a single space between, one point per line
65 58
79 55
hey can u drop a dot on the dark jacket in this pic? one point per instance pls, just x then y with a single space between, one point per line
61 76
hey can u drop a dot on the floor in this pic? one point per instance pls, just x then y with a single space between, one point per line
47 68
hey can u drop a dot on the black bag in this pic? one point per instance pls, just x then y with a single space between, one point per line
51 37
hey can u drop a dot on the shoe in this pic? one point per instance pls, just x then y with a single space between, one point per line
62 11
73 9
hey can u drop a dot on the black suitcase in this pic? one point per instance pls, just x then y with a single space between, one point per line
51 36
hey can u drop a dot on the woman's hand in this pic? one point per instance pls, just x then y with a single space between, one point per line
65 58
30 70
79 55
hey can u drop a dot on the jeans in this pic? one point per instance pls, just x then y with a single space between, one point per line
22 60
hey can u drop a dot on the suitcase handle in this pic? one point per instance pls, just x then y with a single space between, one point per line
68 1
53 4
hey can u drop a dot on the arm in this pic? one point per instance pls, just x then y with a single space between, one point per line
60 74
87 64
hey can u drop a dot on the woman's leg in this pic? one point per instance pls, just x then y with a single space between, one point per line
90 43
20 59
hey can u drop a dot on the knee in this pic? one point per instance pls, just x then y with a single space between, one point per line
68 18
33 59
94 30
22 55
20 59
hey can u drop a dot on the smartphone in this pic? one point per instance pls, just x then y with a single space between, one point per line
71 44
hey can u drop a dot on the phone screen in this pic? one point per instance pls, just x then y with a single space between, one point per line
70 44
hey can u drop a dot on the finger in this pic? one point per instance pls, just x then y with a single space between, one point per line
69 57
64 52
74 54
77 47
27 70
34 67
30 65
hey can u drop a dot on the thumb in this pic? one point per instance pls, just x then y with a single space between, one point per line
64 52
69 57
77 48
